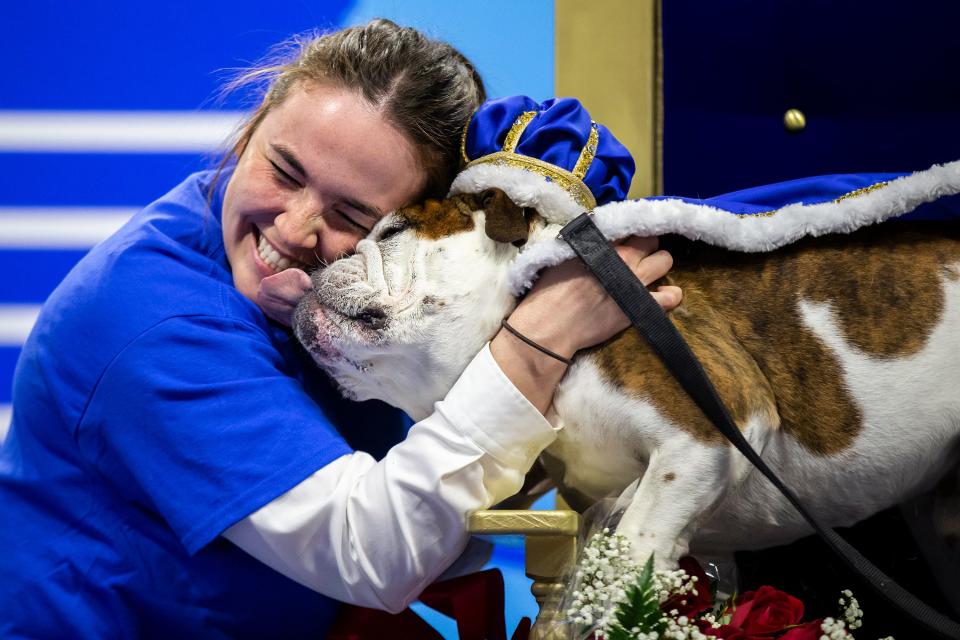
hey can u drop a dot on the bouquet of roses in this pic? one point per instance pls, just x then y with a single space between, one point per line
613 598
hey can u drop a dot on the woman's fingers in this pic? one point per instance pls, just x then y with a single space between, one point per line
643 258
279 294
668 297
649 265
652 267
637 246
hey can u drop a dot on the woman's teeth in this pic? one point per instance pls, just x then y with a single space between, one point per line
273 259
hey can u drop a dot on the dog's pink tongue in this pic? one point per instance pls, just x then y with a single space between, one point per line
279 294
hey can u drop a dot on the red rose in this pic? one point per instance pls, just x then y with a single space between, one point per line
688 604
809 631
766 610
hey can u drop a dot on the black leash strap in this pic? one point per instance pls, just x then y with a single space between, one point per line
652 323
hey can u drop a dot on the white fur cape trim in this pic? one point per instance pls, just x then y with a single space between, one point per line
525 188
751 233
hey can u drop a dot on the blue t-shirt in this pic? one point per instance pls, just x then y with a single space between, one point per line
153 407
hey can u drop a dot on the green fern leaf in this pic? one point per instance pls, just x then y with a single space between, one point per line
640 611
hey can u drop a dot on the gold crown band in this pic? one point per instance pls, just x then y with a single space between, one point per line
463 143
564 179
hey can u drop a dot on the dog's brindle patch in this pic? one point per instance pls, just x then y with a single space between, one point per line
741 318
630 364
435 219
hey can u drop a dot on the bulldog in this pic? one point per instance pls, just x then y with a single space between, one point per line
838 358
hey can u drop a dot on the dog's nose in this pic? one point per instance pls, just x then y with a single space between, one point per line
373 317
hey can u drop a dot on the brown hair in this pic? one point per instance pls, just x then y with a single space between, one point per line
426 88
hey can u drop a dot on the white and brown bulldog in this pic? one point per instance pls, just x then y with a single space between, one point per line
838 357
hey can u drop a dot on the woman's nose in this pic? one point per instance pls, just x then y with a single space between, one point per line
299 226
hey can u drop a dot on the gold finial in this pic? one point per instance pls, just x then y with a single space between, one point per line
794 120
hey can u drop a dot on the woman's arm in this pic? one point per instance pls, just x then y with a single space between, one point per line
377 533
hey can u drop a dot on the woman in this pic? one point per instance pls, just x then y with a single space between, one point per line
172 468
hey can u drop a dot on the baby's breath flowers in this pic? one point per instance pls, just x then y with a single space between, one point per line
605 578
615 598
605 572
851 610
834 630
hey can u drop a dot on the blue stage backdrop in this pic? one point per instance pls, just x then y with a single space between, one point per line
107 105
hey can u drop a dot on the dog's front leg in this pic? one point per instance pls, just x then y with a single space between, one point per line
685 479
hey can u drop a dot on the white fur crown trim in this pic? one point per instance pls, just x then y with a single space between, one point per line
525 188
749 233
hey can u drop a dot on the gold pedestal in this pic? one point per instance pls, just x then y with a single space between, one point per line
551 550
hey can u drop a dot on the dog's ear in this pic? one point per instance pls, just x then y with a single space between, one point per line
506 221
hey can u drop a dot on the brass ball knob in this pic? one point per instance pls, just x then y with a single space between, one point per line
794 120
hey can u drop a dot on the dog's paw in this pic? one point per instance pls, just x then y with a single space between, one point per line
666 555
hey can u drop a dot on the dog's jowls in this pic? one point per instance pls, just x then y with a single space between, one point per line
838 357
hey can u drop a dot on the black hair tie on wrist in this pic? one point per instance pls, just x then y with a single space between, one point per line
541 349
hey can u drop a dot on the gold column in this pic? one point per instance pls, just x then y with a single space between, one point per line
551 550
608 55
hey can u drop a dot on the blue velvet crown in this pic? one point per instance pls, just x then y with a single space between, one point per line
555 139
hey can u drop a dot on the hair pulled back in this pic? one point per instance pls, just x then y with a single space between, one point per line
425 88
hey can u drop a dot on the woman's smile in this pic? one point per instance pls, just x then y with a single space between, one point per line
270 260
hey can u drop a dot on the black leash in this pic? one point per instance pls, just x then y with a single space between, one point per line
652 323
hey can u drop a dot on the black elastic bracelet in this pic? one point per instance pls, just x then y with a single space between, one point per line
506 325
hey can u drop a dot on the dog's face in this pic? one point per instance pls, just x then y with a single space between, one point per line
401 318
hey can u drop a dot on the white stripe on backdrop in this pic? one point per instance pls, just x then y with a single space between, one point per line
16 321
6 411
60 227
116 131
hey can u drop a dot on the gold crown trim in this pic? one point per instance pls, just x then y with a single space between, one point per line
588 153
513 136
564 179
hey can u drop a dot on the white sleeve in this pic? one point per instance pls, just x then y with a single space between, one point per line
376 534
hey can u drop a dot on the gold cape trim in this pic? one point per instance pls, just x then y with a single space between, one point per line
853 194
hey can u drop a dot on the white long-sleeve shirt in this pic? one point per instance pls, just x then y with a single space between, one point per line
376 534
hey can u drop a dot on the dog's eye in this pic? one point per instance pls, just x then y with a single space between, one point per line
392 231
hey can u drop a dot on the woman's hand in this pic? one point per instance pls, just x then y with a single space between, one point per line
279 294
568 310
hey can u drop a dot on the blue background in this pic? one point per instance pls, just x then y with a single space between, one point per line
876 82
174 57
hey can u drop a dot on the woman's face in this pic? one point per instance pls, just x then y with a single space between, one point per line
317 174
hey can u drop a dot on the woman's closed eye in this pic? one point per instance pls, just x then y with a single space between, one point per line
352 218
284 178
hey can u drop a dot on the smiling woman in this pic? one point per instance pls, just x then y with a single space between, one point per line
389 136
